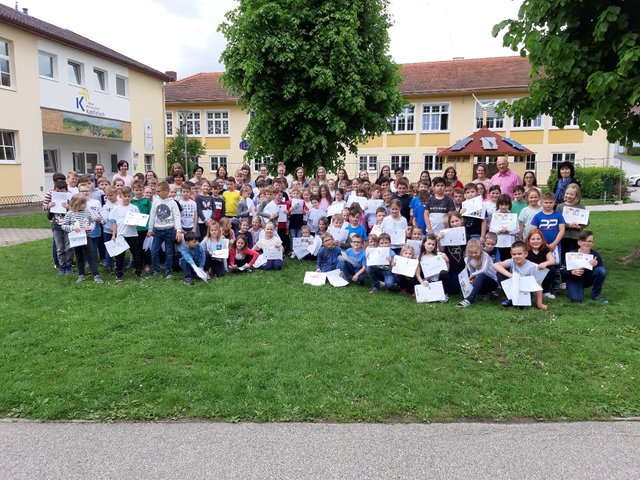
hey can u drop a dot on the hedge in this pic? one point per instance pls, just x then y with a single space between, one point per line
594 179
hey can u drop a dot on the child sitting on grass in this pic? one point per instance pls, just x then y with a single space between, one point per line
519 264
193 255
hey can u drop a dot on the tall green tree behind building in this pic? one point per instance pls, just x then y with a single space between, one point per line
315 75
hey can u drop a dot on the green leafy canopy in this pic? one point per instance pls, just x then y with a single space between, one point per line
175 152
315 76
584 57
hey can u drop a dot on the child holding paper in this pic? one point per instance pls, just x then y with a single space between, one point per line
240 255
404 283
481 273
211 243
144 206
538 252
437 206
79 219
455 253
552 226
129 232
429 251
328 254
296 215
472 225
256 230
380 275
519 264
193 256
580 278
353 263
506 235
164 225
271 241
569 242
396 226
531 210
63 253
111 201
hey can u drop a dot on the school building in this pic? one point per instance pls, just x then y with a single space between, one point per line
445 104
68 103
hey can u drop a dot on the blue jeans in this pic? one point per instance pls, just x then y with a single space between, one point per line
272 265
167 237
482 284
108 261
379 277
186 268
348 271
576 285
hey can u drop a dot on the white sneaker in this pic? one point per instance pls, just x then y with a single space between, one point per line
549 295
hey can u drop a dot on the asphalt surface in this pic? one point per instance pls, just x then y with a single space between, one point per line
33 450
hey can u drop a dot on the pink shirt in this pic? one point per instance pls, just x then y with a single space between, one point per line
506 181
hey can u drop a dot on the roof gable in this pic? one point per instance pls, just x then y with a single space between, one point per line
198 88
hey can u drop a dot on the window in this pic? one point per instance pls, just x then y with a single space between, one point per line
558 158
218 123
5 64
7 146
217 161
368 163
114 163
168 121
486 160
400 161
46 65
51 161
528 122
573 122
530 162
494 121
435 117
121 86
74 70
100 80
404 121
191 122
84 162
432 163
148 162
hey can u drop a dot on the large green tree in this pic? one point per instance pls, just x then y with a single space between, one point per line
175 152
315 75
584 57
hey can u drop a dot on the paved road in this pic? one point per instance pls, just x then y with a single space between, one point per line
32 450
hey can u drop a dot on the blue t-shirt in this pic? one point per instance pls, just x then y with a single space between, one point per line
418 213
328 258
359 259
548 224
360 230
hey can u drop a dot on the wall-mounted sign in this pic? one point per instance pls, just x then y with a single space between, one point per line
84 104
86 126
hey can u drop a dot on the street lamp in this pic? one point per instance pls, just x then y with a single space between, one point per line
183 126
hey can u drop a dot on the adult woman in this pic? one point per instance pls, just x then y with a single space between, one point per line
150 176
342 175
299 176
385 171
529 181
481 176
364 176
246 169
122 174
264 174
566 175
175 168
321 175
425 176
197 174
451 177
282 170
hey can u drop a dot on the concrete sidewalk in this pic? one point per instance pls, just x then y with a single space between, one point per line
204 450
14 236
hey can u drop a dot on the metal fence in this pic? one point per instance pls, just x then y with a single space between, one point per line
19 200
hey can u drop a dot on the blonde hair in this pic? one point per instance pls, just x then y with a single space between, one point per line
576 187
474 244
77 201
408 249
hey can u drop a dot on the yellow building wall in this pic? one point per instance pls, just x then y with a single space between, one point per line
375 142
146 95
566 136
20 113
435 139
401 140
527 137
217 143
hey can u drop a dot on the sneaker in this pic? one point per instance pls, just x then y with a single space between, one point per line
119 279
293 255
168 276
506 303
373 290
494 294
188 281
155 274
562 286
61 271
600 299
445 300
464 303
549 295
98 279
80 279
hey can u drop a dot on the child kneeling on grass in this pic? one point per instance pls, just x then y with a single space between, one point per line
193 255
580 278
482 275
518 263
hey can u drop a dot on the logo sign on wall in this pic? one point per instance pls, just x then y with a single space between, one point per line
84 104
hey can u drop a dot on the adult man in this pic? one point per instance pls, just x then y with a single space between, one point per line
505 178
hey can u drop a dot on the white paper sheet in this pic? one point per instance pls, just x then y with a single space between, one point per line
137 219
377 256
373 205
398 236
473 207
317 279
77 239
339 234
433 265
314 215
336 279
578 260
500 221
314 248
465 284
297 206
260 261
513 291
362 201
575 215
200 273
271 208
404 266
416 245
433 293
376 230
59 198
146 244
335 209
117 246
453 236
300 246
220 249
272 253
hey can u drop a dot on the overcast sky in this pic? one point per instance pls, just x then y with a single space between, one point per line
181 35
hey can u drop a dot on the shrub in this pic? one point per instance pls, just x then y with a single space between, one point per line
633 151
594 181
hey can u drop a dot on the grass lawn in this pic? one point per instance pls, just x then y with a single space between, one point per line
32 220
264 347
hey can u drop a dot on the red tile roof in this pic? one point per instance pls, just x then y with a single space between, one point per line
428 78
17 19
201 87
459 76
475 146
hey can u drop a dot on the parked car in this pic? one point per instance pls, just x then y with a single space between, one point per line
634 180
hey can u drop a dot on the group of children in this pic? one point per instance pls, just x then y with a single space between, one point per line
212 228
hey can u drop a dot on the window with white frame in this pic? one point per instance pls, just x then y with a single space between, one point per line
487 160
191 122
217 161
573 122
7 146
494 121
5 63
522 123
122 86
100 80
84 162
432 163
46 65
558 158
168 122
74 70
530 161
400 161
368 163
435 117
51 164
148 162
218 123
404 122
